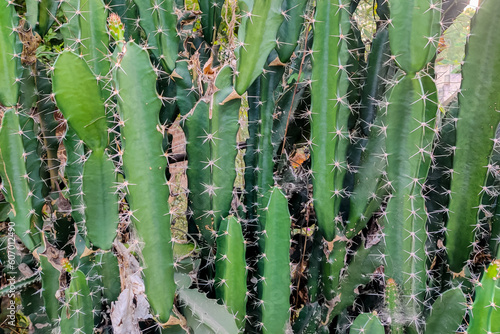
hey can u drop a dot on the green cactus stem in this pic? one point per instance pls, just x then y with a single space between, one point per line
211 147
231 268
144 165
447 312
82 105
76 314
410 132
367 323
414 32
477 121
289 31
10 71
274 288
15 180
329 134
257 37
485 314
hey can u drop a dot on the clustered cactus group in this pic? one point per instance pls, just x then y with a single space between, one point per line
328 189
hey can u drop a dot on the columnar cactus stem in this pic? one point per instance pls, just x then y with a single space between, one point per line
414 31
71 29
144 165
94 36
289 30
77 315
210 18
369 182
260 149
410 130
50 285
108 269
10 66
33 162
231 268
75 157
477 120
81 104
332 268
257 37
159 22
12 154
485 315
46 15
447 312
329 133
394 310
373 90
211 147
358 272
367 323
15 179
274 290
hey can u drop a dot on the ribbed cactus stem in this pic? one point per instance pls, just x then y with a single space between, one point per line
144 166
476 125
116 28
274 290
231 268
329 133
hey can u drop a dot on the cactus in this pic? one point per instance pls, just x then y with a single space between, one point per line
484 315
323 186
414 48
447 312
86 115
210 18
259 177
15 179
256 37
211 144
205 315
408 163
94 36
32 147
367 323
329 113
76 314
10 68
50 285
275 279
393 301
159 21
230 268
144 167
469 173
290 28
